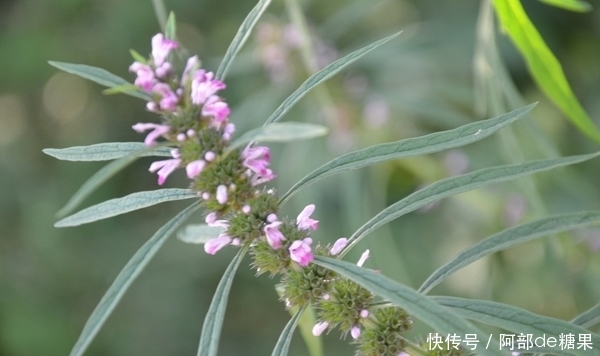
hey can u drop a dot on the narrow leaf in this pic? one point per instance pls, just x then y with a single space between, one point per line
543 65
118 206
459 184
99 76
518 320
511 237
283 344
199 233
421 307
171 27
241 36
572 5
280 132
321 76
105 151
588 318
98 179
129 273
211 330
410 147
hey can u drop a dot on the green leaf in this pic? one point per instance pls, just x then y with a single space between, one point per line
283 344
129 273
588 318
321 76
241 36
572 5
138 57
418 305
118 206
211 330
199 233
171 27
121 89
98 179
106 151
511 237
280 132
99 76
161 13
459 184
410 147
543 65
517 320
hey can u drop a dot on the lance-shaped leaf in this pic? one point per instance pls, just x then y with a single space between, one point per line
543 65
418 305
241 36
321 76
459 184
98 179
100 76
129 273
283 344
572 5
511 237
213 322
518 320
280 132
199 233
589 318
118 206
409 147
105 151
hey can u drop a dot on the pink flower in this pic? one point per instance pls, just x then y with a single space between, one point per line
363 258
221 194
163 70
216 108
145 75
338 246
300 251
157 131
355 332
194 168
192 64
303 220
256 159
164 168
161 47
213 246
204 86
319 328
168 98
274 236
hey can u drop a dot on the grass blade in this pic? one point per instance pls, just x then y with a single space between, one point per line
118 206
410 147
572 5
241 36
517 320
100 76
211 330
283 344
459 184
420 306
105 151
588 318
511 237
543 65
321 76
199 233
129 273
280 132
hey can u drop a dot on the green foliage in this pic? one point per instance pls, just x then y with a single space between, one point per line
106 151
199 233
280 132
572 5
283 344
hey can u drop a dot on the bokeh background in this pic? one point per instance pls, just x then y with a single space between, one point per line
51 279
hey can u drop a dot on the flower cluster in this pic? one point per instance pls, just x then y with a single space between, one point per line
195 122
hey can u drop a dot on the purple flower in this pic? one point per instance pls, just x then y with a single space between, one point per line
157 131
274 236
222 194
303 220
319 328
213 246
163 70
355 332
300 251
204 86
338 246
194 168
164 168
216 108
168 98
145 75
161 47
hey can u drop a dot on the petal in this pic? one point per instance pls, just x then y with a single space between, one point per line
363 258
338 246
319 328
213 246
222 194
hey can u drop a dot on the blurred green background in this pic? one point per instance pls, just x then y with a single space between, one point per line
51 279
